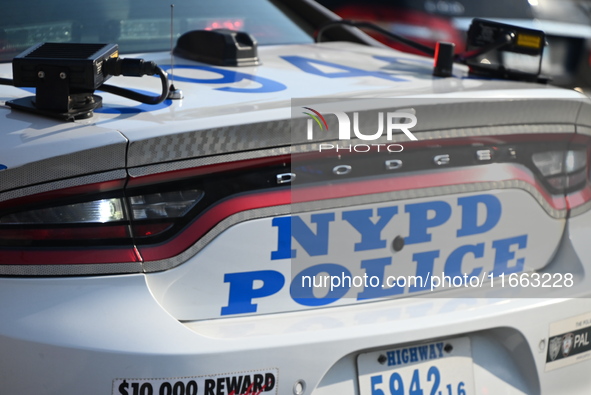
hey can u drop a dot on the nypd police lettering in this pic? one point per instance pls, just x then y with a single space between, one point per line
478 215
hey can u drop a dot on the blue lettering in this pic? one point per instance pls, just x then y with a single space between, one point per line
424 353
230 77
470 214
453 264
242 290
440 349
3 167
504 254
415 384
307 65
432 352
420 220
375 380
371 238
405 356
314 243
425 263
408 63
413 354
284 250
376 267
396 384
305 295
391 359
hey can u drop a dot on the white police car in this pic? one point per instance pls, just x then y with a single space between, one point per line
322 218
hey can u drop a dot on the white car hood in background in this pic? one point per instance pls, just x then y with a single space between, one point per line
34 149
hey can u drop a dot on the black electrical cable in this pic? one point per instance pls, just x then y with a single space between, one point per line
460 58
403 40
504 40
130 67
136 68
128 93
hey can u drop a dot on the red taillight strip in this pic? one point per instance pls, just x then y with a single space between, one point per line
492 174
83 256
74 233
210 218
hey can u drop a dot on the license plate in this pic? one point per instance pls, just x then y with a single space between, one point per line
440 368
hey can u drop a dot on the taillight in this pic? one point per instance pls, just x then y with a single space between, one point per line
95 212
562 169
93 228
93 222
165 205
112 222
155 213
102 221
422 27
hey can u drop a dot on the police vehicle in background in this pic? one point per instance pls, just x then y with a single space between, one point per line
567 24
302 211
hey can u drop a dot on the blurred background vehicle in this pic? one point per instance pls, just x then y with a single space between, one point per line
567 24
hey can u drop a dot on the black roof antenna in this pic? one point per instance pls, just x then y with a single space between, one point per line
173 92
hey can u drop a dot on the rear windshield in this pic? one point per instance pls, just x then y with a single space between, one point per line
137 25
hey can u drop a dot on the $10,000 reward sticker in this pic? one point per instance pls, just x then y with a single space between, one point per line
241 383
